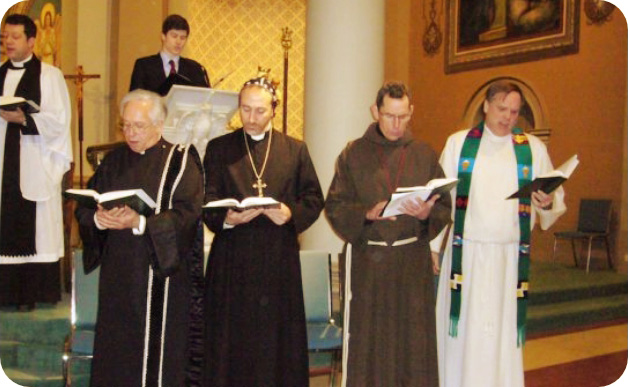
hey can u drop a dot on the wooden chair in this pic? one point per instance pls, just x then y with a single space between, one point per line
593 223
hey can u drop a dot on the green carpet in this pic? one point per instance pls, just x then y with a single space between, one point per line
561 298
31 343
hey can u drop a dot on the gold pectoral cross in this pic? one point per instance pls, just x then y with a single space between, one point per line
260 185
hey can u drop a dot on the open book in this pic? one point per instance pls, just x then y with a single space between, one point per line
12 103
433 187
136 199
548 182
245 204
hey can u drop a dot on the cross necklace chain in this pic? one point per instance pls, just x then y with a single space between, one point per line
259 184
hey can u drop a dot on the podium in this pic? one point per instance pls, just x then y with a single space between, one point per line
196 115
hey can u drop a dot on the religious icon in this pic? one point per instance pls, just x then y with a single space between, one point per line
48 40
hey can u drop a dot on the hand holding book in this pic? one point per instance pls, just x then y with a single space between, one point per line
425 193
548 182
136 199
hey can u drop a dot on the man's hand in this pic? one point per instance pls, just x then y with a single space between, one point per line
118 218
435 263
418 208
542 200
279 216
235 218
17 116
373 213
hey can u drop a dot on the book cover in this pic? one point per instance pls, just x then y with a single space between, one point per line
137 199
246 204
548 182
12 103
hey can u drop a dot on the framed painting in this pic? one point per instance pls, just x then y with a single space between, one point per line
485 33
47 17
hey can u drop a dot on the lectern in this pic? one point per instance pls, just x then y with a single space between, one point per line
198 114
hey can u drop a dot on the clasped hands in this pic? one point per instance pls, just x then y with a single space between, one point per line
413 207
279 216
117 218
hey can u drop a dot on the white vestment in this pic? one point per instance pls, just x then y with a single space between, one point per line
44 158
485 351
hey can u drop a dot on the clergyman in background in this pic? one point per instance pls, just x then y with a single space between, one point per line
35 153
151 72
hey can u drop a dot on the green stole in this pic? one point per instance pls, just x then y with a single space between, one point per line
465 170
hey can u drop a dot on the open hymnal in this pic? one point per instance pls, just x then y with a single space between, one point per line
12 103
136 199
433 187
246 204
548 182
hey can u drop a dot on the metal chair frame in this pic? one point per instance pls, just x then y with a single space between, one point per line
81 322
593 223
317 294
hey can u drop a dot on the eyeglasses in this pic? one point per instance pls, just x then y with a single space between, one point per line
393 117
138 127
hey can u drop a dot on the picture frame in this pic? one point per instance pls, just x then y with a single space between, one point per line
486 33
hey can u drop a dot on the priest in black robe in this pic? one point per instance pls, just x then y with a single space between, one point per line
148 264
255 319
35 153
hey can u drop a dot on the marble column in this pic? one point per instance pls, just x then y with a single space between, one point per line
344 68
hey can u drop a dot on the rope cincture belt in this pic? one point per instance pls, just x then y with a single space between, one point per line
399 242
468 154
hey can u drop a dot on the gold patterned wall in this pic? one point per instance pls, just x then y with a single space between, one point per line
239 35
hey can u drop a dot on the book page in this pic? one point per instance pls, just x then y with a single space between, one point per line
222 203
84 192
258 201
565 170
8 100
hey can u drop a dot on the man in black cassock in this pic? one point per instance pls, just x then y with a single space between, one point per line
35 152
151 72
148 264
255 319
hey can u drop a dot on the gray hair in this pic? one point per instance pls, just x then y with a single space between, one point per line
158 110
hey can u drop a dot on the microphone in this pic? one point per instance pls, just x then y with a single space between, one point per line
222 79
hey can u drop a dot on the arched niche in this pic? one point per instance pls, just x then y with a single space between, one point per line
532 118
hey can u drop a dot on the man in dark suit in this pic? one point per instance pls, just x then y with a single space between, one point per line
151 72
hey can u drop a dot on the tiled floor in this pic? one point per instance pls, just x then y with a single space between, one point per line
567 359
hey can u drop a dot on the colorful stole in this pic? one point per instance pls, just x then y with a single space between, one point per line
469 151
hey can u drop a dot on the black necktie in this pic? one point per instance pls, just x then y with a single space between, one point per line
173 70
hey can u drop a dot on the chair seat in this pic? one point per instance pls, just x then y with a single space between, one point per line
578 234
323 336
83 342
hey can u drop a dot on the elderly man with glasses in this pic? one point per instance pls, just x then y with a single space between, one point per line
148 264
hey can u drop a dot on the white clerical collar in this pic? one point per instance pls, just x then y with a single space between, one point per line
21 63
260 137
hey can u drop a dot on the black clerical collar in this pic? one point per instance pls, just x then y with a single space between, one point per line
20 65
